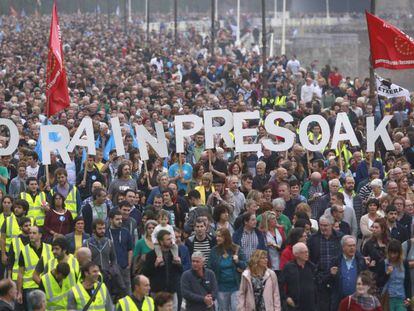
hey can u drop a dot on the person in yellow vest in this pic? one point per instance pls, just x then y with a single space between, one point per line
140 299
56 287
37 201
71 194
10 228
16 247
29 257
83 293
59 249
6 204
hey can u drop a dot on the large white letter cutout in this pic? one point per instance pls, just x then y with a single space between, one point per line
303 132
342 120
223 130
14 137
273 129
380 131
180 132
240 132
50 146
116 131
159 143
89 142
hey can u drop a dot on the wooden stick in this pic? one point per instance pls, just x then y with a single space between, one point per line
180 163
341 166
47 174
85 172
209 158
309 164
370 160
146 171
240 161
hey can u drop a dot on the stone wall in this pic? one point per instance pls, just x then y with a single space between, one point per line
335 49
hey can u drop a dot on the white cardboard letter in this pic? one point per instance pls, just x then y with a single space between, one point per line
14 137
380 131
49 146
240 132
303 132
223 130
342 120
89 142
180 132
273 129
116 130
159 143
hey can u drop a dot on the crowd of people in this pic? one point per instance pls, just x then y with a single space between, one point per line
206 229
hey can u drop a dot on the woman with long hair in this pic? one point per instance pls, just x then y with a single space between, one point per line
144 245
274 236
227 261
58 220
404 189
198 172
235 170
221 218
375 246
259 289
206 187
368 219
364 298
295 235
299 170
394 278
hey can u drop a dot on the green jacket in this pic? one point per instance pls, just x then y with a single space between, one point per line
307 185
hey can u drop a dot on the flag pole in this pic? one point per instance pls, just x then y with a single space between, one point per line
372 82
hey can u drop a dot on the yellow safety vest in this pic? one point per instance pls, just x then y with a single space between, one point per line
280 102
30 260
35 206
82 297
12 230
74 268
17 248
346 153
127 304
56 296
70 201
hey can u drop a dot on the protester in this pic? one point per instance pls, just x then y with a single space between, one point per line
364 297
259 289
299 271
151 80
227 261
199 285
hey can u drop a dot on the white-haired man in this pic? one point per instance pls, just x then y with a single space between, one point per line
300 271
199 285
344 270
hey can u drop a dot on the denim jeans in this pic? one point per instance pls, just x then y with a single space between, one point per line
227 301
397 304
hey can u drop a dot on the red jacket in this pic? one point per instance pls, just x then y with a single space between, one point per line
286 256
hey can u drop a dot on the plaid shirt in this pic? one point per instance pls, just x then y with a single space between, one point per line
328 251
249 243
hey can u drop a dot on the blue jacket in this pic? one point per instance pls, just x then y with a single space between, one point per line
362 170
70 238
237 236
336 281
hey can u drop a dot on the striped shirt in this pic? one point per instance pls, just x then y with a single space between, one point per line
204 247
249 243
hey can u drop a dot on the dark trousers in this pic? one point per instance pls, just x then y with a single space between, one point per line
324 298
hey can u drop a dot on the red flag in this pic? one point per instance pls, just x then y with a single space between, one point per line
13 12
56 88
390 47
